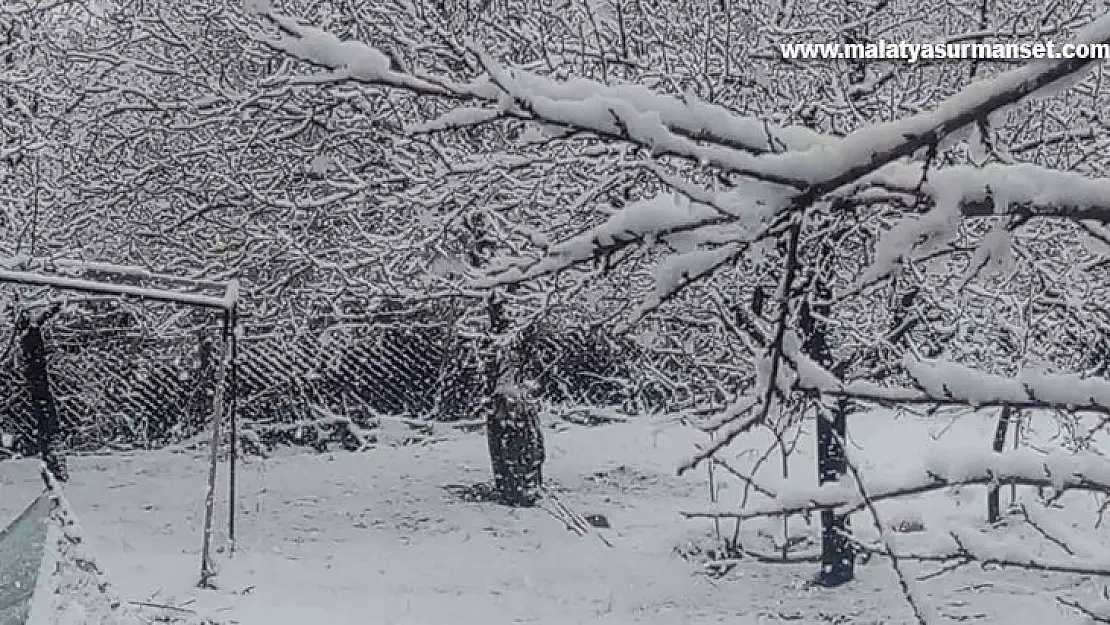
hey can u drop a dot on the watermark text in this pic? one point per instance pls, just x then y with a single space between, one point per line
915 52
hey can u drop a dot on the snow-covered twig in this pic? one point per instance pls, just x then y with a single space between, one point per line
942 382
748 480
762 558
918 608
774 361
1023 467
1097 615
812 163
993 554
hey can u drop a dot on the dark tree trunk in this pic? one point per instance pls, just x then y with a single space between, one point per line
837 555
516 451
44 413
513 431
994 513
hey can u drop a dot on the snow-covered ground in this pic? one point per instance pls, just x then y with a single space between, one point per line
375 538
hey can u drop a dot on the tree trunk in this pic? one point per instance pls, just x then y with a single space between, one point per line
516 450
994 513
513 432
837 555
838 558
44 413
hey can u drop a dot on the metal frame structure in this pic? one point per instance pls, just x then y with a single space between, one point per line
229 305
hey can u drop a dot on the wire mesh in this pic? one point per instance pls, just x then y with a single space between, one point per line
122 375
129 375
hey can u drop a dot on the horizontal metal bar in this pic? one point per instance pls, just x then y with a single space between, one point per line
129 271
228 302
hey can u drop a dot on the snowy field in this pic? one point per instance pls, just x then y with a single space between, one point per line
376 538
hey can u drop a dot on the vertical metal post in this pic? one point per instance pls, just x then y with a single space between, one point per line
207 569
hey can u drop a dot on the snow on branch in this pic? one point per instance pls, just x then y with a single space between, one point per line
658 217
950 380
870 148
996 189
944 382
999 189
772 374
825 166
689 117
964 546
677 271
350 60
619 117
707 230
460 117
810 163
1058 471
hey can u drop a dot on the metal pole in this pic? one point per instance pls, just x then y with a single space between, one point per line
207 570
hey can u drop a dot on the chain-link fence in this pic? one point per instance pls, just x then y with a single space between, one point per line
141 375
291 388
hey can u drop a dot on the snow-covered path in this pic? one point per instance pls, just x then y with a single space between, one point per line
375 538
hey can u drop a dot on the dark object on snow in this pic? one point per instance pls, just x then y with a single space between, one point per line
908 527
43 411
473 492
597 520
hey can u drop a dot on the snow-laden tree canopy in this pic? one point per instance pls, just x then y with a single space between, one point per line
872 212
650 166
950 255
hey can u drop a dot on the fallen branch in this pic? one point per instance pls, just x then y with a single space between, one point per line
162 606
764 558
574 521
